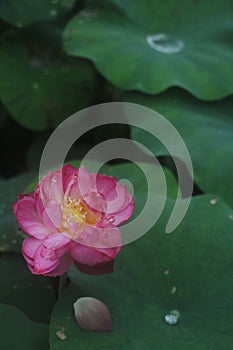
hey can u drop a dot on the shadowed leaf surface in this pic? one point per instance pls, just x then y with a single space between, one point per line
188 272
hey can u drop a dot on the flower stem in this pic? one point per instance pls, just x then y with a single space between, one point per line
63 282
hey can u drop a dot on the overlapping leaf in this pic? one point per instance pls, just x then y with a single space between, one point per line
207 130
42 94
17 332
152 45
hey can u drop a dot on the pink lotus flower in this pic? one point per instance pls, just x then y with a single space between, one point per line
72 216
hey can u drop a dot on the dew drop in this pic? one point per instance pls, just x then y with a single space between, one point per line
172 317
35 86
173 290
111 219
213 201
53 13
19 24
165 43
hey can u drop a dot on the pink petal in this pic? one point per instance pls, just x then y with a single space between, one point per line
106 186
95 201
92 315
121 201
56 244
30 246
23 195
123 215
92 256
28 219
85 184
99 237
52 216
85 188
44 264
69 173
51 188
55 262
65 262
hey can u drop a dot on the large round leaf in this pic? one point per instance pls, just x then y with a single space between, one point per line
34 295
207 130
17 332
42 94
189 270
152 45
23 12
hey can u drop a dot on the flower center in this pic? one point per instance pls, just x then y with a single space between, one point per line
76 215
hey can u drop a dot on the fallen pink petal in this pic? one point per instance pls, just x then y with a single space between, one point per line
73 217
92 314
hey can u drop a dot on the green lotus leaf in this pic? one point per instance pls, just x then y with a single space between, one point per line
33 295
39 94
17 332
207 130
22 13
168 290
149 45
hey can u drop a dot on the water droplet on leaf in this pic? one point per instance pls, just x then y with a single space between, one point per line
172 317
173 290
92 315
53 13
165 43
213 201
35 86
